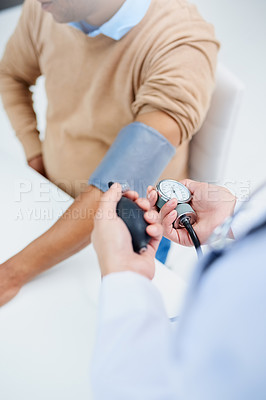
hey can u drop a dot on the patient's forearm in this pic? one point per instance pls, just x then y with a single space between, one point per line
71 233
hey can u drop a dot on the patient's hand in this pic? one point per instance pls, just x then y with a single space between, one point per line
37 164
212 204
9 283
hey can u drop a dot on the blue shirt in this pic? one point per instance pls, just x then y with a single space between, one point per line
128 16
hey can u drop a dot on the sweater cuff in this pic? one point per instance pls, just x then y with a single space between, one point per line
31 144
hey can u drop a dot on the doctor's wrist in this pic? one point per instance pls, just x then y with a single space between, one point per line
134 263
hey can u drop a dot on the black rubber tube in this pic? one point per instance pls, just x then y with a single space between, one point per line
186 222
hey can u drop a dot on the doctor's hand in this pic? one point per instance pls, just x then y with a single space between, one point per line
112 240
212 204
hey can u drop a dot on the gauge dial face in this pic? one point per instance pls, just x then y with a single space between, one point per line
170 189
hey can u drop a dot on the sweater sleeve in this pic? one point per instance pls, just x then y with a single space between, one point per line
178 76
19 69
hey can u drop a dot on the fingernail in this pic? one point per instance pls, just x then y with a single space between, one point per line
151 194
125 187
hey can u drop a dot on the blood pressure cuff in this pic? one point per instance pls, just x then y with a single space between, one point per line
137 157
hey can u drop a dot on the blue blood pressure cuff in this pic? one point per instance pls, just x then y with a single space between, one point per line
137 157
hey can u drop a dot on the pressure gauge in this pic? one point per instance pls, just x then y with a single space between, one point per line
168 189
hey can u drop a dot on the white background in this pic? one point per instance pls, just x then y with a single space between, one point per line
241 29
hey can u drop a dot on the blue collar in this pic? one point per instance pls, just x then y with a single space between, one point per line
128 16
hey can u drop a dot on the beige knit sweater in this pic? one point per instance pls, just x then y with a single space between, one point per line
96 86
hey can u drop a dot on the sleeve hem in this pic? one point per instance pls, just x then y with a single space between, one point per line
124 292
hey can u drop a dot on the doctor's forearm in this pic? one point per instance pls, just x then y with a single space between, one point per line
71 233
132 354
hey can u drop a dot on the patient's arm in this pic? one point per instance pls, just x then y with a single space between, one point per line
71 233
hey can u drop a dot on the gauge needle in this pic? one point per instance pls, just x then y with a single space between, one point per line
173 190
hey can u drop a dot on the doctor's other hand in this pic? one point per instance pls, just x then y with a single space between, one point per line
212 204
112 240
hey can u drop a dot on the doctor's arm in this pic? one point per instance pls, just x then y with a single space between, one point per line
216 353
132 319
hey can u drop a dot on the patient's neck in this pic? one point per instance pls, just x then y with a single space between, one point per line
104 10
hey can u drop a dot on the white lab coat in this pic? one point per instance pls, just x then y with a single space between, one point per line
218 350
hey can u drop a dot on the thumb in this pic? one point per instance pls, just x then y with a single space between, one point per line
110 199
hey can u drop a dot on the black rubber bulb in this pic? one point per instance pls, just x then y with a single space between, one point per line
133 217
